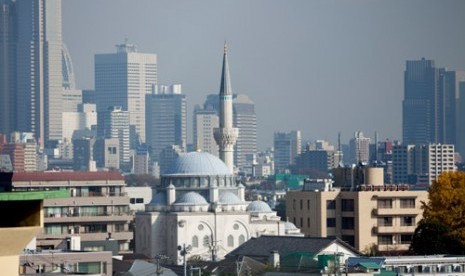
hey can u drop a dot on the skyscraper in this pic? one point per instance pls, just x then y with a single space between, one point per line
246 121
39 68
166 119
123 79
287 146
225 134
421 85
7 66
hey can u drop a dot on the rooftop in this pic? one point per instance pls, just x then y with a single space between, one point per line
59 176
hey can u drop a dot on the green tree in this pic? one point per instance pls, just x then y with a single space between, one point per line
434 237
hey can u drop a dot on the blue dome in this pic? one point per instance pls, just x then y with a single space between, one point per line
191 198
229 198
259 206
197 164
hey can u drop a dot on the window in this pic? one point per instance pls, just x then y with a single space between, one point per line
407 221
385 203
241 239
350 239
119 227
347 223
405 239
347 205
330 204
308 222
385 221
132 200
230 241
206 241
293 204
331 222
407 203
308 204
195 242
139 200
385 239
301 222
301 204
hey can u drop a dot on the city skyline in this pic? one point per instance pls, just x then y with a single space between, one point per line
300 57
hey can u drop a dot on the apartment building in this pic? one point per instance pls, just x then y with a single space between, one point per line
383 217
97 209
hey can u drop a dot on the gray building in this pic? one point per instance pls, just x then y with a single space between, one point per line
287 146
430 106
123 79
38 68
166 120
245 120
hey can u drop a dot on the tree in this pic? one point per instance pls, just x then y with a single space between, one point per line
443 225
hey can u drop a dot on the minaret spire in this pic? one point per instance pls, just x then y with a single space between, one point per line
226 135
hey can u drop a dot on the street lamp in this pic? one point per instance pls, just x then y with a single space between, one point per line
184 250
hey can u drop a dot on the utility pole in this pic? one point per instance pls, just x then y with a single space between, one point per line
184 250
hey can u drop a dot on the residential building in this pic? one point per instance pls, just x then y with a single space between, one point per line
123 79
18 228
97 210
374 215
83 153
141 161
421 164
287 146
106 153
166 120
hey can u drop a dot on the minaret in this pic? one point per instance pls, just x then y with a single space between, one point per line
226 135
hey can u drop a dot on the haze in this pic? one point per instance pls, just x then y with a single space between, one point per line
317 66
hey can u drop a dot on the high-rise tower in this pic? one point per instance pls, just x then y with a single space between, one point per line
123 79
39 68
226 135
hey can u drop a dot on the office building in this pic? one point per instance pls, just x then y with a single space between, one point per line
84 118
359 147
7 66
383 217
83 153
97 210
287 146
106 153
205 120
245 121
421 164
71 98
114 123
166 120
123 79
39 69
69 82
141 160
430 105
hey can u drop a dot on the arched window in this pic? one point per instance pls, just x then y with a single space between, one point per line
206 241
241 239
230 241
195 241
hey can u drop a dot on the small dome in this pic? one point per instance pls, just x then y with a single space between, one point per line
191 198
197 163
259 206
229 198
289 226
159 199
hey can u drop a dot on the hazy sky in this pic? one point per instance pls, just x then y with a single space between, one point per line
317 66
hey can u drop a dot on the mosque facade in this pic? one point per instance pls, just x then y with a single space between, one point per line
199 204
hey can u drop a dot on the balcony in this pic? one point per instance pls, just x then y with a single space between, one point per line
88 217
47 238
393 229
395 211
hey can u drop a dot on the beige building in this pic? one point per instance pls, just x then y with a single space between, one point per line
98 208
372 217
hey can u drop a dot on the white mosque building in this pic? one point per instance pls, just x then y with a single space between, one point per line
200 205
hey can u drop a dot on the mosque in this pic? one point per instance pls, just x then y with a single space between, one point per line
200 206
